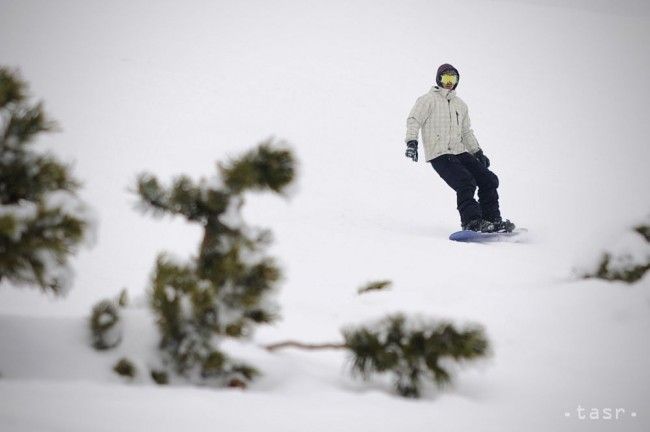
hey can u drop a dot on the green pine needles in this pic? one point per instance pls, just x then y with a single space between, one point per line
42 221
412 350
227 288
126 368
629 259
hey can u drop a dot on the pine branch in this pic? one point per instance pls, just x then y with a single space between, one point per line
375 286
305 346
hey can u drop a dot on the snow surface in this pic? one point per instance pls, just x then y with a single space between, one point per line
170 88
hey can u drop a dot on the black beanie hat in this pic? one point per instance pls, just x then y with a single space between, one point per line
446 68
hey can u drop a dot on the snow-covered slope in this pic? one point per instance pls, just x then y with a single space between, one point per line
558 99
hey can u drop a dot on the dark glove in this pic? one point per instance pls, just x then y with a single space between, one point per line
482 158
412 150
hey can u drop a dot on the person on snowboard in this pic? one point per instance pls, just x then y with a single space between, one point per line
451 148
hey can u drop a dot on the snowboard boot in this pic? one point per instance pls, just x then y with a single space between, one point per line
501 225
479 225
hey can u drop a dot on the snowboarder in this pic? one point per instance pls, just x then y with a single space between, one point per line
451 148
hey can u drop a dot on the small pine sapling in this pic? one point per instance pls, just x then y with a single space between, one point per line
412 350
227 289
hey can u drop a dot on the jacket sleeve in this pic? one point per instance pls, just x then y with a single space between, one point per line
468 138
416 118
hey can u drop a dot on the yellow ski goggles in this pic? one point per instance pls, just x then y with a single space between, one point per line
448 79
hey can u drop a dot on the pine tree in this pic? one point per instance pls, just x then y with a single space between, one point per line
227 288
42 221
410 349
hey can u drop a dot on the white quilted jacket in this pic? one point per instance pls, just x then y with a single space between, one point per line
442 117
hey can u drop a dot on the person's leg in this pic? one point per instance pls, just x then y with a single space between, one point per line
460 180
487 183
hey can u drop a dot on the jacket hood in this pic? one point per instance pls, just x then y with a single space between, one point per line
446 94
446 68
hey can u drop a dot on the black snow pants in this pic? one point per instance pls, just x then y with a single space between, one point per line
463 173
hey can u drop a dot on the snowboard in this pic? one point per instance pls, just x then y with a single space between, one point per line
467 236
